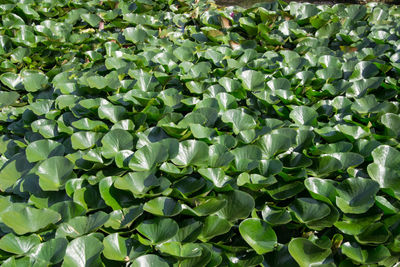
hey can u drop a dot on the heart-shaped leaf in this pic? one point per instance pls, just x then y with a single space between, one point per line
306 253
18 244
252 80
115 141
54 172
258 234
191 152
49 252
83 251
146 158
163 206
158 230
176 249
239 205
149 260
303 115
356 195
239 119
17 216
119 248
82 225
43 149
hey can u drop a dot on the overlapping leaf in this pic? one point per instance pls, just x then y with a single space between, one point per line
181 133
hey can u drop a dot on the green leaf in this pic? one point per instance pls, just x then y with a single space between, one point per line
49 252
146 82
189 230
86 124
115 141
248 25
282 191
303 11
149 260
325 165
68 209
12 81
8 98
191 152
158 230
254 181
112 196
18 244
92 19
321 189
247 157
12 20
392 123
214 226
276 216
359 87
121 219
12 261
386 156
47 128
239 119
328 30
215 175
189 185
84 140
356 195
147 157
43 149
111 112
239 205
119 248
375 233
231 86
137 182
385 176
252 80
54 172
115 63
348 159
181 251
97 82
199 71
365 70
200 132
259 235
365 256
135 35
307 253
209 206
14 169
163 206
308 209
33 80
17 216
83 251
219 156
303 115
82 225
272 144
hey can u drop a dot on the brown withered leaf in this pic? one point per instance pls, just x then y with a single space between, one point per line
226 24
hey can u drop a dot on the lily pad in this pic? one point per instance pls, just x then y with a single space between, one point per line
258 234
158 230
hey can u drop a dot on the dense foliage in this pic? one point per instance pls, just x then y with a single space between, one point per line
156 133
